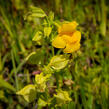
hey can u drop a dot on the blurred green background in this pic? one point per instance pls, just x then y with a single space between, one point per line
91 69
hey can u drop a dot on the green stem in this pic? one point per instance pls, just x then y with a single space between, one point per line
0 63
103 18
57 78
52 51
15 72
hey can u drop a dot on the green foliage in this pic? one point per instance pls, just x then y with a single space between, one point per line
47 31
51 16
37 38
35 12
35 57
47 69
46 77
6 85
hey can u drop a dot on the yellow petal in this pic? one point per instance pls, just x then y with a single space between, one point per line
67 27
76 37
58 42
72 38
71 47
67 38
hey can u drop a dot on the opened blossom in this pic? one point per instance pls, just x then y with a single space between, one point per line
68 37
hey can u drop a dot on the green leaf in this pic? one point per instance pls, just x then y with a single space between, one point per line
72 105
35 57
1 66
47 31
28 92
5 84
90 101
2 96
58 62
51 16
37 38
35 12
47 70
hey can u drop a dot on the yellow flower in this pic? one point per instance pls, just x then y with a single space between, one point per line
67 27
68 37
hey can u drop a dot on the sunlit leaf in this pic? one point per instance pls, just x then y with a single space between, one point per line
47 31
34 12
37 12
47 69
37 38
35 57
51 15
2 96
6 85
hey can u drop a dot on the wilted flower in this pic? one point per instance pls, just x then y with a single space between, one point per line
68 37
28 92
41 80
62 97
